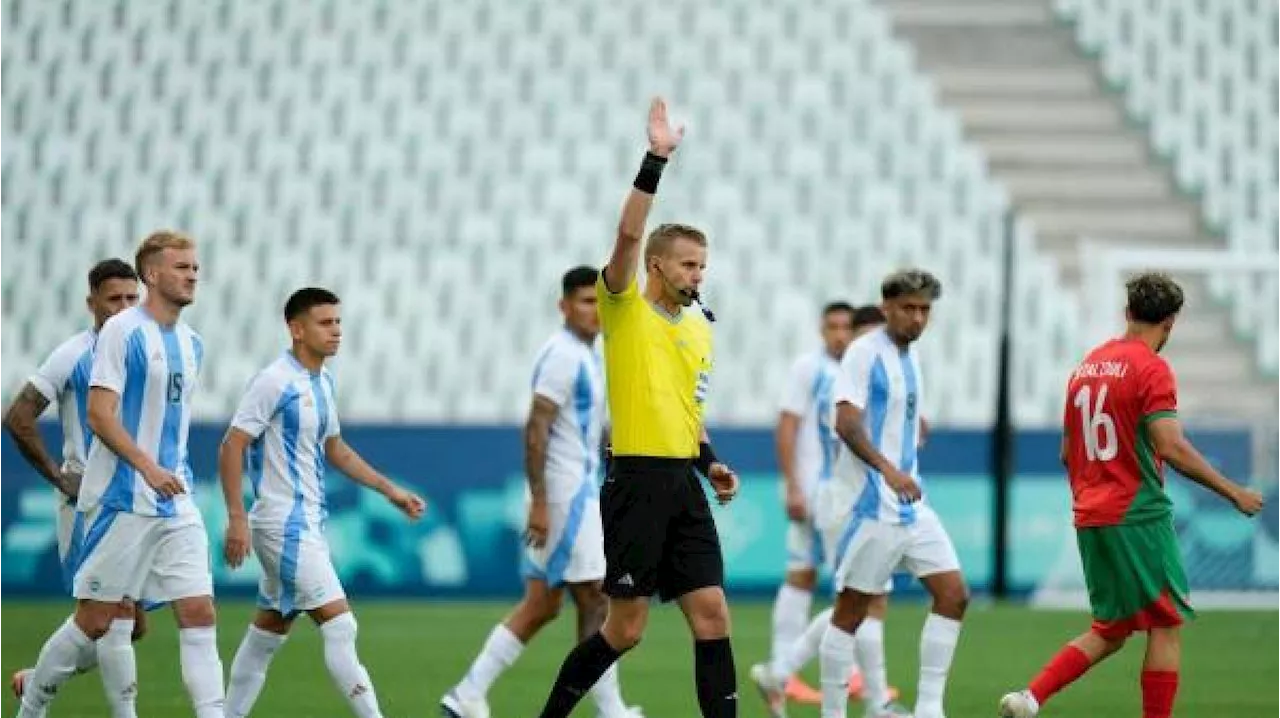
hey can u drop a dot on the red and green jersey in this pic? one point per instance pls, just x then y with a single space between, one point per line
1114 394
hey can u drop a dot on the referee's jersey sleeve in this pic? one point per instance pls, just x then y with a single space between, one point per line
628 294
854 378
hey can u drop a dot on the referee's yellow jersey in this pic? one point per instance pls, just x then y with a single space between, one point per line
657 369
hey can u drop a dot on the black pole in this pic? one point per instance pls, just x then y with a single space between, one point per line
1002 450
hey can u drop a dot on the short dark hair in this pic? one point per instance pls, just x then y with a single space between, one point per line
304 299
867 315
910 281
110 269
577 278
1153 297
837 306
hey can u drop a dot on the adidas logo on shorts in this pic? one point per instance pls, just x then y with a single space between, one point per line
626 580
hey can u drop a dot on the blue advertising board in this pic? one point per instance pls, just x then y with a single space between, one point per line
468 545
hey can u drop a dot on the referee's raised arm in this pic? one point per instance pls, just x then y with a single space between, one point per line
663 140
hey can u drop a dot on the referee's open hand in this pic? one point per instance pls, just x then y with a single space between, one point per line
724 481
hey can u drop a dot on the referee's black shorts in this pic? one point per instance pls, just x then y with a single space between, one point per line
659 536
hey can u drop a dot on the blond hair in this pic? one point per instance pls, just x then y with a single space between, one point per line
664 235
157 242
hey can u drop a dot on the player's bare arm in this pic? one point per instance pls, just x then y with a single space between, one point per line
850 428
537 433
663 140
21 420
231 472
1174 447
346 460
785 442
722 479
104 421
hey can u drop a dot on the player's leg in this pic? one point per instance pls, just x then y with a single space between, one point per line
592 608
634 509
266 633
867 553
794 600
538 607
1116 601
1160 671
338 629
263 638
931 556
179 574
111 565
584 576
1069 663
871 682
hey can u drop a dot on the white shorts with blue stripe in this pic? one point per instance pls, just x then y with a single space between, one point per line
145 558
69 528
869 551
574 552
297 570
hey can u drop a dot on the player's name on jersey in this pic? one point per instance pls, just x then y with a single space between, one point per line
1102 369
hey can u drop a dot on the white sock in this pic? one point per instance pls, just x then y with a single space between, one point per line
344 665
249 669
202 669
501 649
119 668
56 664
836 655
607 694
803 649
790 616
937 647
870 652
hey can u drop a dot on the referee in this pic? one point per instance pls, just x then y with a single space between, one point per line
659 536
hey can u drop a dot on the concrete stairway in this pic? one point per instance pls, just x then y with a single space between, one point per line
1059 141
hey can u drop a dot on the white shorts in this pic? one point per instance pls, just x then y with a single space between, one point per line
574 552
297 571
873 550
805 547
147 558
69 530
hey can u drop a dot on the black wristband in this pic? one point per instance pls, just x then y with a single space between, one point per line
650 172
706 457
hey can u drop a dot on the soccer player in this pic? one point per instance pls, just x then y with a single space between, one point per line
659 536
562 463
144 536
1120 426
887 525
287 422
63 380
807 447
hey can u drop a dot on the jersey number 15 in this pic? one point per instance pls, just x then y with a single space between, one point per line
1096 425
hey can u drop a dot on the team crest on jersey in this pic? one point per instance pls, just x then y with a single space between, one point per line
175 387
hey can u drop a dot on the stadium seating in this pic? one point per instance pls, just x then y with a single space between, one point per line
441 164
1202 77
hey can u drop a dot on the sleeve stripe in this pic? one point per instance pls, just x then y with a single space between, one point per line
1162 414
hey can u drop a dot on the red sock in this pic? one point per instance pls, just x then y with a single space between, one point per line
1069 664
1158 691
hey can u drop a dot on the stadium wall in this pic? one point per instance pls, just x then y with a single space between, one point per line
468 546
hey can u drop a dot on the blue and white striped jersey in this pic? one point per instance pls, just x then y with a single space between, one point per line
809 392
154 369
884 382
63 379
570 373
290 412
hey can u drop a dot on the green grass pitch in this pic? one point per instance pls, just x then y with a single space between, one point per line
417 650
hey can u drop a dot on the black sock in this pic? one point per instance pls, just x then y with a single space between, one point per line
578 674
717 680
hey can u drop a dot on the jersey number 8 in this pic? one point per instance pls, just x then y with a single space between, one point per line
1100 443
